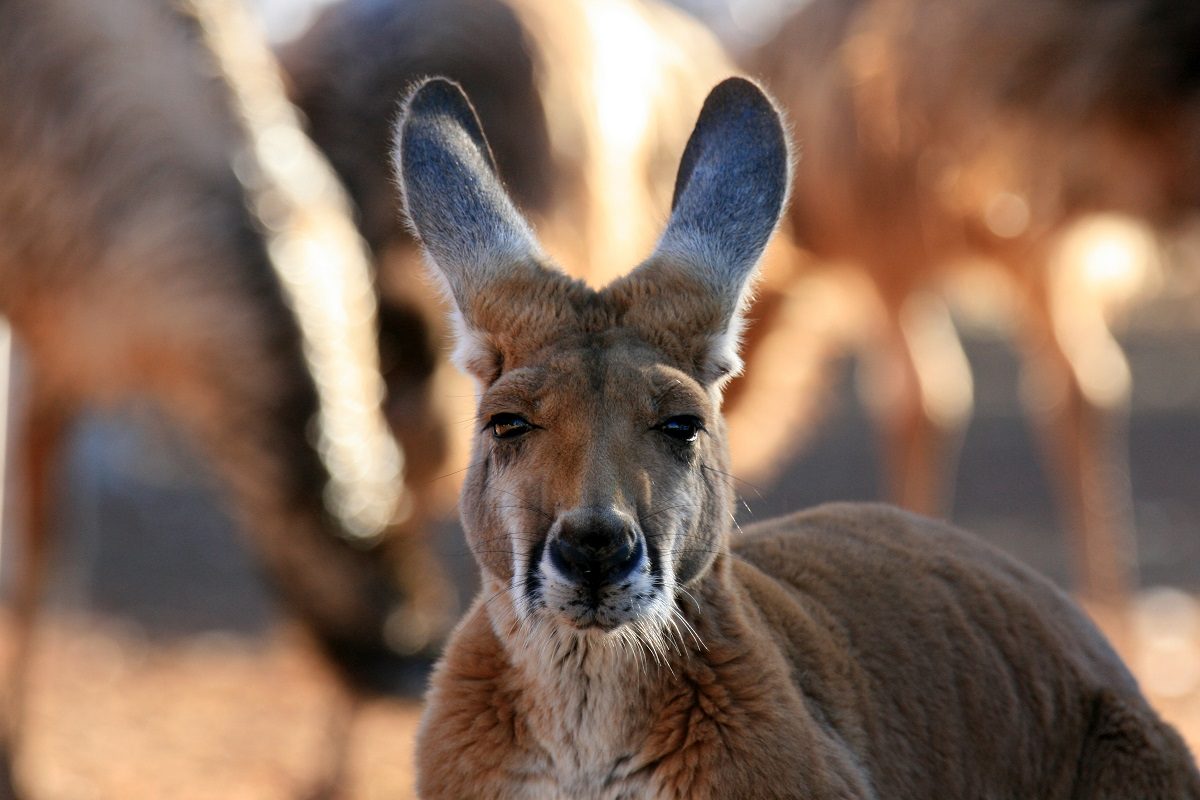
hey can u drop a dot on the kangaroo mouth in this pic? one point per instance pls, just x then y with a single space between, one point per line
589 619
601 599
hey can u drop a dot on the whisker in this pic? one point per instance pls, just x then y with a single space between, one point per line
649 643
629 639
653 514
507 588
686 549
456 472
690 596
733 477
678 618
526 507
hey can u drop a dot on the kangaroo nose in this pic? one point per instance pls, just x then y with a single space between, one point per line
595 548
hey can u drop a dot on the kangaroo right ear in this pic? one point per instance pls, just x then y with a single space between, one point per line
470 230
731 190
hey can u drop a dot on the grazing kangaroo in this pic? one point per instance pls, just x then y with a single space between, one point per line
626 644
152 246
939 133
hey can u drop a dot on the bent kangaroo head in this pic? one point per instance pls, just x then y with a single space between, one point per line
599 488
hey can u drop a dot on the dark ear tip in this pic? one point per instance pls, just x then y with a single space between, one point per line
741 114
434 95
738 89
434 102
744 100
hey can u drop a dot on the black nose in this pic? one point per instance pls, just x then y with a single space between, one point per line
595 548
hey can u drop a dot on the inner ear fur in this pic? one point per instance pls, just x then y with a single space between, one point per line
476 242
730 192
687 297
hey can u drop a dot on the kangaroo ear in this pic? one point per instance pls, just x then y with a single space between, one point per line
731 189
471 232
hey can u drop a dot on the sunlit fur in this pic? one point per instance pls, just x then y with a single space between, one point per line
846 652
939 134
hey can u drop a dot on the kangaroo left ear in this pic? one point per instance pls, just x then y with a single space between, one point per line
732 186
452 195
472 234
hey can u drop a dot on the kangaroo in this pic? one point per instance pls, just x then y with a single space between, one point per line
626 643
151 247
939 134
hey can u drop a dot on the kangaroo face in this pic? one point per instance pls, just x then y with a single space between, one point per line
594 467
599 488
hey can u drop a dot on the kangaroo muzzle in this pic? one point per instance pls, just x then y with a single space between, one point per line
596 547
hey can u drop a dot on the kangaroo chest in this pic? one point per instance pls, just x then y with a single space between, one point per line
614 736
587 735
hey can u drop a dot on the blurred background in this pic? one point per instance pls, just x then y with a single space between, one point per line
1034 298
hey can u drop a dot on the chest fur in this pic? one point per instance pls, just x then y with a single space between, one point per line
616 730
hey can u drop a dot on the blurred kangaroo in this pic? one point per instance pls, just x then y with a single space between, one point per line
586 99
625 643
942 132
167 232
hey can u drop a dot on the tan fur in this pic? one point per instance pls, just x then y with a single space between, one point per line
944 133
845 652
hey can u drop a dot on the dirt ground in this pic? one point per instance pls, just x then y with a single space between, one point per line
114 716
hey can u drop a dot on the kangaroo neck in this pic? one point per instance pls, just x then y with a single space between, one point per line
601 706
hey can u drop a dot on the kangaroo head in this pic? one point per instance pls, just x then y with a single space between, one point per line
599 485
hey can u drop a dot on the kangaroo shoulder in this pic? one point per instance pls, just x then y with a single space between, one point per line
874 540
468 711
882 572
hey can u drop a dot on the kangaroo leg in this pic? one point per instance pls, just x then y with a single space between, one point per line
332 782
1128 753
800 321
917 384
1077 391
41 449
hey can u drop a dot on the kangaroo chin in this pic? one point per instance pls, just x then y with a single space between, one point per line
626 644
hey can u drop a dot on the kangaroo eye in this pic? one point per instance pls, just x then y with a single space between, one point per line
684 428
509 426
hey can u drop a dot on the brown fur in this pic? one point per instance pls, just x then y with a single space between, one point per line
849 651
845 652
132 266
919 122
